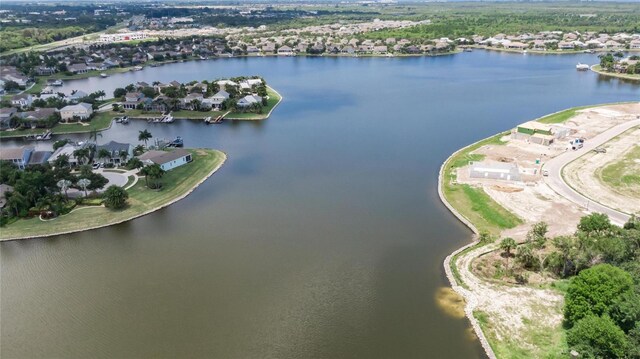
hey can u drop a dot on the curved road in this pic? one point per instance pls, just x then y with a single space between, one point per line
557 183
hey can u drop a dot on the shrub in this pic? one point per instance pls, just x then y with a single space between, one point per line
597 337
594 290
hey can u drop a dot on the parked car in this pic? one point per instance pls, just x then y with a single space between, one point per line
576 143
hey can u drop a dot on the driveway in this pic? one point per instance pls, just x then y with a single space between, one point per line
557 183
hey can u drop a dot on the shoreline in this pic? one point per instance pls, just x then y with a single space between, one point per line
613 74
470 305
164 205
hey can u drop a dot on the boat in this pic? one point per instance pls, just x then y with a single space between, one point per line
468 49
167 118
176 143
57 82
41 137
103 75
582 67
125 120
207 120
137 68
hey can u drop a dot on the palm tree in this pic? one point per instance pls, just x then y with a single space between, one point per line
94 134
507 245
62 161
123 155
64 185
101 94
152 172
104 153
81 154
84 183
138 150
144 136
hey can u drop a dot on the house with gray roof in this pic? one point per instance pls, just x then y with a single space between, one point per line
116 151
167 160
19 156
81 111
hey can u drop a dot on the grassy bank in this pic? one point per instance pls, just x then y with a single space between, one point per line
598 69
101 121
471 202
176 183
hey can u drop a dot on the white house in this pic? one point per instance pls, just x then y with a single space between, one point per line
81 111
216 100
249 100
167 160
23 100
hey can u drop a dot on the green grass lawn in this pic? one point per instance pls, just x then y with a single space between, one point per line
473 203
272 102
623 175
176 183
101 121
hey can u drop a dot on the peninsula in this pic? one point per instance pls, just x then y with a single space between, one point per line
521 195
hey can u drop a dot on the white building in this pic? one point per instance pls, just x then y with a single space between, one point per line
123 36
81 111
167 160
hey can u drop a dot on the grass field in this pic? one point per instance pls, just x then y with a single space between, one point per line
101 121
473 203
550 344
623 175
176 183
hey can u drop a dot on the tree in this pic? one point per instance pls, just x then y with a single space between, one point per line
60 143
134 162
82 154
597 337
625 310
152 174
507 245
104 153
123 155
144 136
594 224
62 161
64 186
84 183
594 290
119 92
526 258
115 197
11 86
94 134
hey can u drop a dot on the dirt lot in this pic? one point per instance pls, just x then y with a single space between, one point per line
585 174
530 198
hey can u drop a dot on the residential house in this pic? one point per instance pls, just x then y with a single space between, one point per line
132 100
118 152
191 102
249 100
35 117
66 150
19 156
78 68
81 111
39 158
167 160
216 100
22 100
285 51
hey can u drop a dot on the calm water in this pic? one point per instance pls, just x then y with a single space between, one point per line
322 236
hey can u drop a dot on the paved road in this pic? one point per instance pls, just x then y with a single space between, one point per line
555 165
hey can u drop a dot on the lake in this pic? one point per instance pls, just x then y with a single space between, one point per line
321 237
